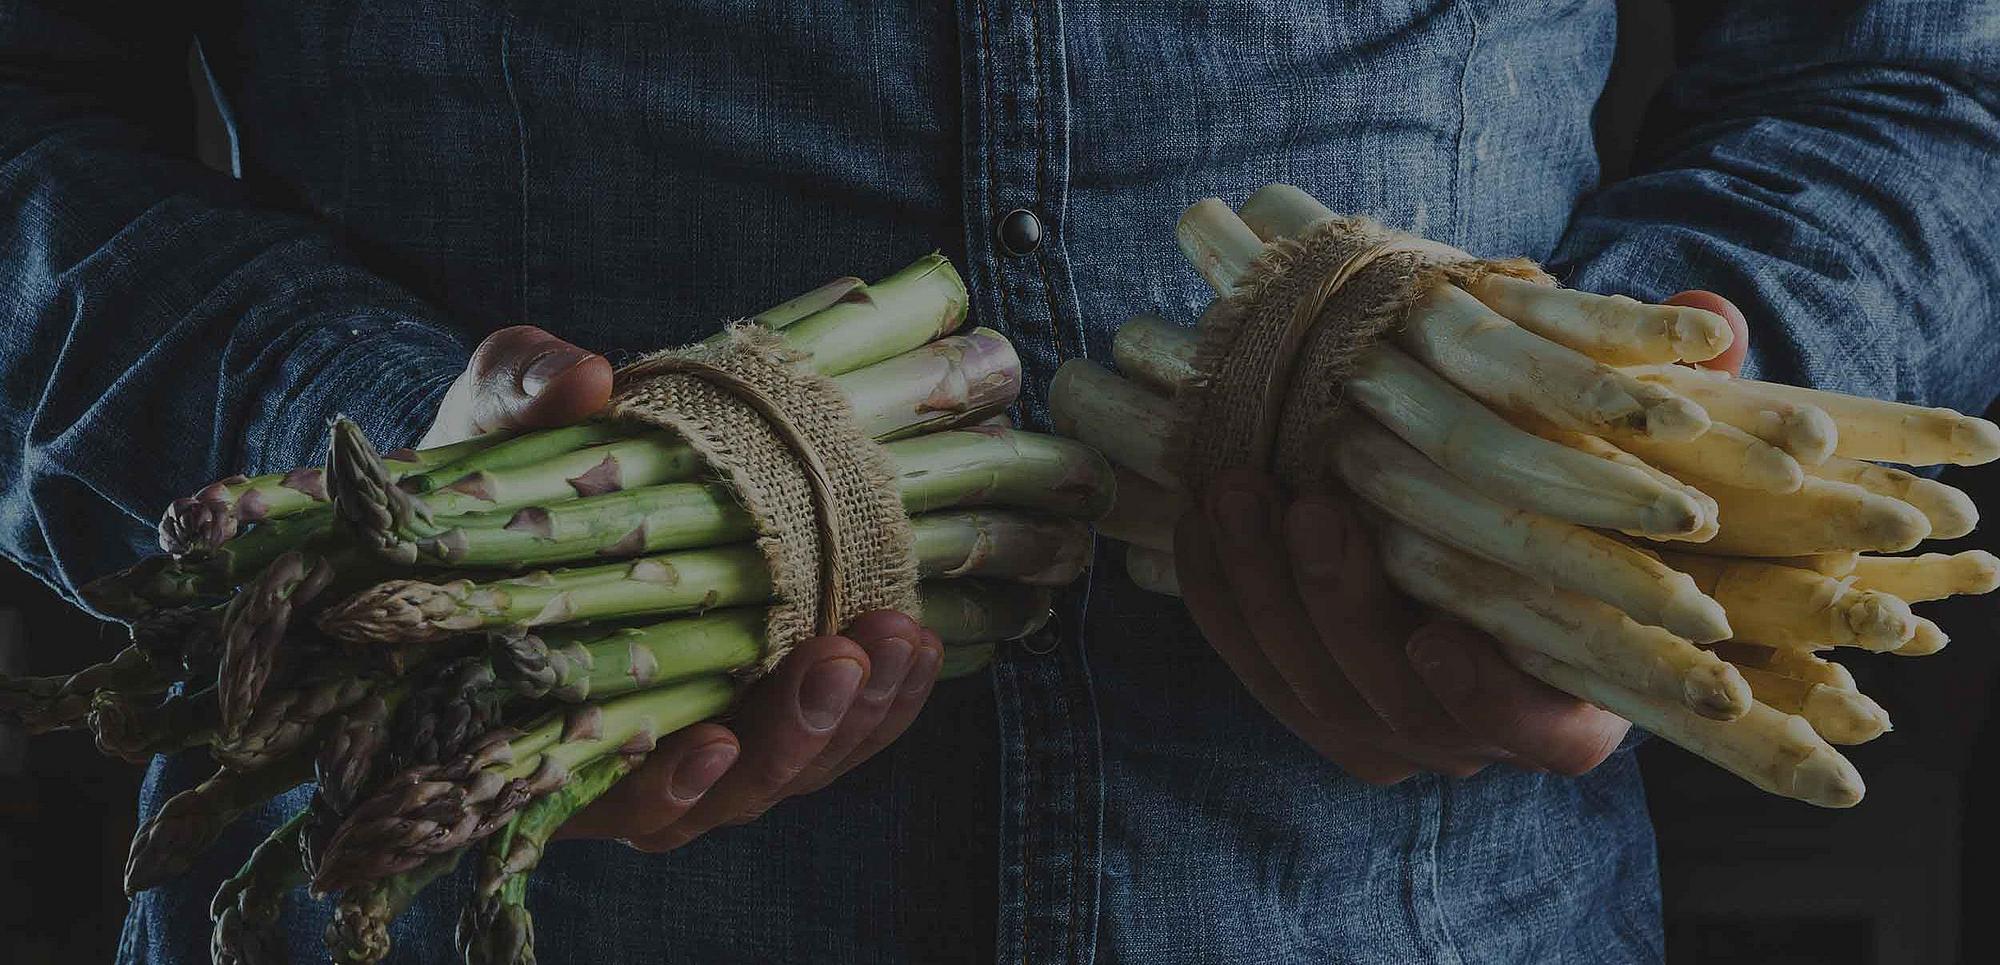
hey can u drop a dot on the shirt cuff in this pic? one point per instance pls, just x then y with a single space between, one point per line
386 373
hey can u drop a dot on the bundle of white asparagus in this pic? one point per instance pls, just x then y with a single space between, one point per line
1674 544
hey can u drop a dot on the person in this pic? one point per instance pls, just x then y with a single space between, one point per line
406 183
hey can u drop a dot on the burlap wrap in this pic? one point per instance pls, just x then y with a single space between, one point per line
828 513
1271 359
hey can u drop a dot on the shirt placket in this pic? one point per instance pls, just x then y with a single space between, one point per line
1017 269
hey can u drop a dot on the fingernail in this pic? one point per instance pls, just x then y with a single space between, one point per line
1446 670
889 661
826 692
923 671
700 770
546 367
1241 515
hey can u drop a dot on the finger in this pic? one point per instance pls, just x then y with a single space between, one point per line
681 768
1731 360
1242 511
891 640
784 722
1498 703
1363 621
909 699
1348 745
525 378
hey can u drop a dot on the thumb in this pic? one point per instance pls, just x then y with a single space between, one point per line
522 378
1731 360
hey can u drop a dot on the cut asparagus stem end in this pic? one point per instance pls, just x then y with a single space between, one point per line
964 661
1152 570
1155 353
1128 424
1282 211
983 611
1217 243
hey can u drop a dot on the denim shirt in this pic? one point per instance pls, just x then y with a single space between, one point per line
411 175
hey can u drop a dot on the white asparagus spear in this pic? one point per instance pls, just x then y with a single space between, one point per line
1513 368
1462 435
1593 446
1155 353
1776 751
1609 328
1612 329
1877 430
1929 639
1825 564
1724 454
1483 353
1951 512
1568 626
1932 576
1789 607
1513 466
1152 570
1822 517
1282 211
1840 716
1804 431
1121 420
1803 665
1144 512
1389 474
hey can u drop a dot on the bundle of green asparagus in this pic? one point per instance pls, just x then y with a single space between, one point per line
461 647
1673 544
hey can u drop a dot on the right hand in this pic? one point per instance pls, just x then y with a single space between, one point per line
1294 600
834 702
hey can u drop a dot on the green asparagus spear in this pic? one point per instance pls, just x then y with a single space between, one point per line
412 611
800 307
434 810
170 841
135 728
688 515
956 379
496 928
212 516
256 622
965 661
286 719
359 931
43 704
245 909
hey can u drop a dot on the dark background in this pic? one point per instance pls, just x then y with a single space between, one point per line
1746 877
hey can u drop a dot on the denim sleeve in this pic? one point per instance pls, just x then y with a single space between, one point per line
1831 168
157 329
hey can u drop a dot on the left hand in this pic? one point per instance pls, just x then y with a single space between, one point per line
833 703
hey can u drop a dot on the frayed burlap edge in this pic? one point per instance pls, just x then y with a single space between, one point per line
1271 358
874 553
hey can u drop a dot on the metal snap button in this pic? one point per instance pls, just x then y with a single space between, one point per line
1019 231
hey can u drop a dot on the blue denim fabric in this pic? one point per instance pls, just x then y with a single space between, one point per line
414 175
